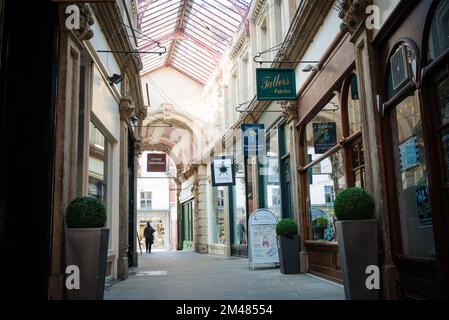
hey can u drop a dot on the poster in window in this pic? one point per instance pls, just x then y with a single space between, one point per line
409 154
324 136
223 173
273 170
423 206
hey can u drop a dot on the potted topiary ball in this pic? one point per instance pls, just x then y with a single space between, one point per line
357 241
288 245
87 246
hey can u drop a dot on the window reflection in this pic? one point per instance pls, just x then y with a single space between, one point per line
355 122
412 184
218 206
239 203
326 179
324 131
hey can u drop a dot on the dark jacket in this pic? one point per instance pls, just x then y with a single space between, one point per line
148 232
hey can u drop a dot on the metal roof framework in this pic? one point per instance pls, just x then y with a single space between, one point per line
195 33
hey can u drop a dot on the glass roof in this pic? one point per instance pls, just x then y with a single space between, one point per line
191 35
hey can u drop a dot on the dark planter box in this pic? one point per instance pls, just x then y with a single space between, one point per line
88 249
289 254
357 245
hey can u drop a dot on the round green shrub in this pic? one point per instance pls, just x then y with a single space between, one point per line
354 204
287 228
86 212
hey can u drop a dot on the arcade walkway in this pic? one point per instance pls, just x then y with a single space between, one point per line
191 276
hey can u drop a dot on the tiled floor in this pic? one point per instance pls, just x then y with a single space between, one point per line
192 276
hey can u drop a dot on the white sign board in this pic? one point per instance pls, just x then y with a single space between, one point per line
263 247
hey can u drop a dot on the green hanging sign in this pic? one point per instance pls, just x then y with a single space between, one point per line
275 84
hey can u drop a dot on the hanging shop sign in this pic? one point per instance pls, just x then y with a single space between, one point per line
156 162
263 247
253 139
275 84
324 136
223 172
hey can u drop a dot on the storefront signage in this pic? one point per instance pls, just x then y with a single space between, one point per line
263 247
409 154
223 172
324 136
253 139
156 162
275 84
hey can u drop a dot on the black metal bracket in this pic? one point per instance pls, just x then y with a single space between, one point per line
261 62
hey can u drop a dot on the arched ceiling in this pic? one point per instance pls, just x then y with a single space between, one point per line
194 33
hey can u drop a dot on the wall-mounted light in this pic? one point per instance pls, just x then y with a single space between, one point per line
115 79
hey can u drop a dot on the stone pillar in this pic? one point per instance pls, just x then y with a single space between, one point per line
201 221
137 154
126 110
66 142
290 112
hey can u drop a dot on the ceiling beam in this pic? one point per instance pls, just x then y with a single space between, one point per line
179 29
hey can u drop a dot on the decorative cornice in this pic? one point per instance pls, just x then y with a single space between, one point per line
353 13
289 110
257 10
126 108
86 20
138 148
239 43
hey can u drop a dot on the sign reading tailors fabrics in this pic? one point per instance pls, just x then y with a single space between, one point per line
156 162
275 84
223 173
324 136
263 247
253 139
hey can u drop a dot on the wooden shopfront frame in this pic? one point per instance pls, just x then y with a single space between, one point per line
337 68
419 277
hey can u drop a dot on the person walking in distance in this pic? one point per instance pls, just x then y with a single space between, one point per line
149 238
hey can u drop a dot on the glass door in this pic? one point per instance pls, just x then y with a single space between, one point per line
415 210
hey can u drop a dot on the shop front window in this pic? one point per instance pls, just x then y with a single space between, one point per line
218 223
411 179
326 179
98 169
443 93
438 39
355 122
239 206
270 175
